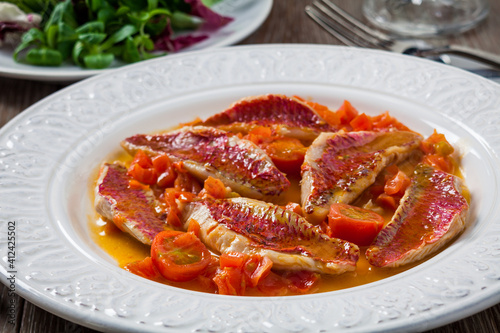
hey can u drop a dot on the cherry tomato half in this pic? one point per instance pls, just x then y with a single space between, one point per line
179 256
357 225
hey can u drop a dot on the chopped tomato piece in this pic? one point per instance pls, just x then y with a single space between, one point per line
294 207
301 282
135 184
361 122
397 184
165 170
239 271
256 268
354 224
213 188
184 182
144 268
273 285
346 113
179 256
439 162
171 196
142 159
385 121
438 152
387 201
428 145
206 278
194 227
323 111
230 281
141 174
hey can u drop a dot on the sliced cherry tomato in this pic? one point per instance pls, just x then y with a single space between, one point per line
354 224
179 256
287 154
144 268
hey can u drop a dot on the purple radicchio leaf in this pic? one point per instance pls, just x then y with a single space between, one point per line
166 42
212 19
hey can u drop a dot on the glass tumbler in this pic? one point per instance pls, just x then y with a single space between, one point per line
425 18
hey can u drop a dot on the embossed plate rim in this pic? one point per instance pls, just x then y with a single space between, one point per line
73 295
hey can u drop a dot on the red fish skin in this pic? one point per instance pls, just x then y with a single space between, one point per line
285 113
232 160
270 227
431 213
131 209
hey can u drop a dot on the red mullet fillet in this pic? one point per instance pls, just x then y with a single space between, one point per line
256 227
339 166
288 116
206 151
432 212
131 209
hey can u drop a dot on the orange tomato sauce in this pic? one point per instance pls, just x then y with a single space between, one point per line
125 249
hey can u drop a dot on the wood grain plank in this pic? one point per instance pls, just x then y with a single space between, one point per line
11 306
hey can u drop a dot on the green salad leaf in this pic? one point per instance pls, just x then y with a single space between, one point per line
95 33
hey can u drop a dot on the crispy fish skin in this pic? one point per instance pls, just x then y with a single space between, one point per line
207 151
256 227
288 116
131 209
338 167
432 212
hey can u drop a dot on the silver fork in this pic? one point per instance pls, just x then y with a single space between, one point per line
353 32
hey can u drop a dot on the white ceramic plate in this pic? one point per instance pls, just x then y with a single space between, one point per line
51 149
248 15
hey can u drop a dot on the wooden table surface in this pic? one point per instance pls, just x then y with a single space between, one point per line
287 23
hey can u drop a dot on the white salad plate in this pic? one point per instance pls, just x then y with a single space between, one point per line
51 151
247 16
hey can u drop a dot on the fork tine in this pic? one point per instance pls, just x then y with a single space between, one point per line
338 27
358 24
321 20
